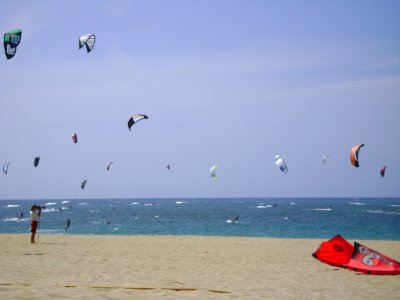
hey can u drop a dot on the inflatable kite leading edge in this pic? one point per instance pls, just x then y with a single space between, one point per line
340 253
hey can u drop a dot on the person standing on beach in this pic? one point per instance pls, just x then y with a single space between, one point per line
35 216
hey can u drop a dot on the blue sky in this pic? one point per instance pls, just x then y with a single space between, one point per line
231 83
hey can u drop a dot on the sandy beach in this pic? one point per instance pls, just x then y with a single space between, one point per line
181 267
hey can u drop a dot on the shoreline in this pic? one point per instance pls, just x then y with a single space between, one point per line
317 239
181 267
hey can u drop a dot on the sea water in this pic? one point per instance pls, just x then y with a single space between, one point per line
363 218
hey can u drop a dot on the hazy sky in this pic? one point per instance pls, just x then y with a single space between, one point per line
229 82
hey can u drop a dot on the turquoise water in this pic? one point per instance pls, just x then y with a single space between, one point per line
364 218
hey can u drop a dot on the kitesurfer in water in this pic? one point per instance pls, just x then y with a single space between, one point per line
21 215
67 224
35 212
235 218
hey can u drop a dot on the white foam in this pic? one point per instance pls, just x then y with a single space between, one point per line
321 209
13 205
82 203
11 219
383 212
51 203
265 206
52 209
357 203
135 203
236 222
16 219
181 202
65 202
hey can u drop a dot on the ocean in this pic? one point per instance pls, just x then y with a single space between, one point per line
361 218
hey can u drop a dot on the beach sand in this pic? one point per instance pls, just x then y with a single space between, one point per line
181 267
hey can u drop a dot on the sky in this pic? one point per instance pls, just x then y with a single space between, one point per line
224 82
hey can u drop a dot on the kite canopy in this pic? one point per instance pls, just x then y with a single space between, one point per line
5 167
83 184
354 155
213 171
383 170
136 118
335 252
109 165
281 164
74 138
36 161
87 40
325 158
340 253
11 42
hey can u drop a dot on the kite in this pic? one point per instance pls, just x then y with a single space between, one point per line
5 167
383 170
354 155
340 253
83 184
325 158
87 40
136 118
11 42
74 138
213 172
281 164
36 161
168 167
109 165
